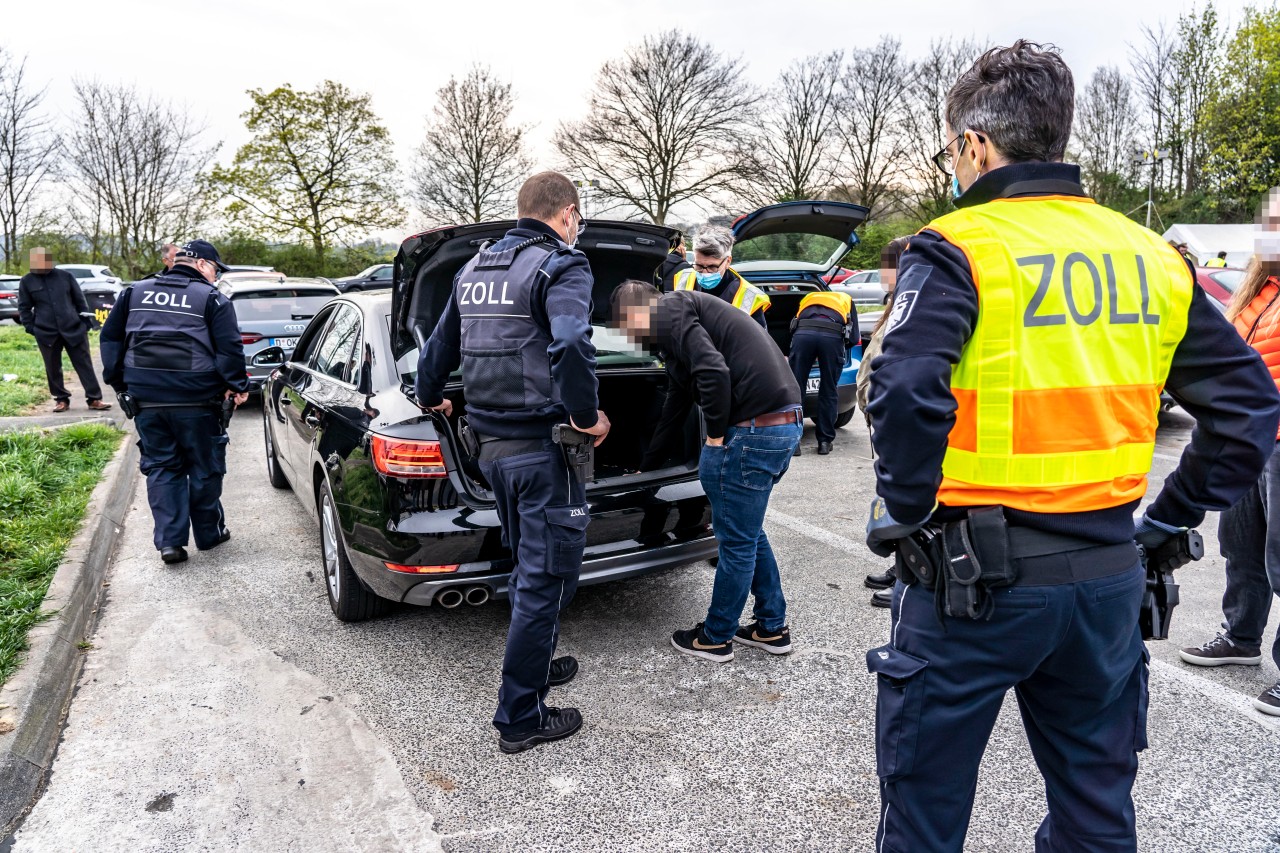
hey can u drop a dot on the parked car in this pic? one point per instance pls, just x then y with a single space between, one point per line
273 312
404 511
9 297
378 275
91 274
786 250
1219 283
251 275
99 285
863 287
249 268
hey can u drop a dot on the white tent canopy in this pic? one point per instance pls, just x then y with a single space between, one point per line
1204 242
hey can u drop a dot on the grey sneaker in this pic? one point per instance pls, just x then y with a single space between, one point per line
1268 702
1218 652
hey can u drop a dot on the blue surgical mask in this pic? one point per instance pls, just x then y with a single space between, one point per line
709 280
956 192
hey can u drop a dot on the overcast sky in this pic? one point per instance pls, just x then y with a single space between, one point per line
402 52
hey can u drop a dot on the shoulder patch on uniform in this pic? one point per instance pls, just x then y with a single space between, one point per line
901 310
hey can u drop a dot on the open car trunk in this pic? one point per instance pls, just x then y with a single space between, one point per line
632 382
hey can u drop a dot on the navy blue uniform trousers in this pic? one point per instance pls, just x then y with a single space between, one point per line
544 518
828 350
183 457
1074 656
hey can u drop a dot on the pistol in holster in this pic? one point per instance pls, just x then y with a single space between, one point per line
128 404
228 410
961 562
1161 595
468 439
579 451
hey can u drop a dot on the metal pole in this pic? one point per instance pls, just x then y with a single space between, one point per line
1151 184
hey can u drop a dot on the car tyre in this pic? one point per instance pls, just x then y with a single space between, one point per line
355 288
274 475
349 599
843 418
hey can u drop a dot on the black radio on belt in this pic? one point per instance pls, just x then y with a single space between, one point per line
1161 595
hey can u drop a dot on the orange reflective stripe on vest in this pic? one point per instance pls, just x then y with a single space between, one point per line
841 303
1058 388
1259 324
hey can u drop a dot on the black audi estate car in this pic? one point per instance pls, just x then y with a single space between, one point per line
405 513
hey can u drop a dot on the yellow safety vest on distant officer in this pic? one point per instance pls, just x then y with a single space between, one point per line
1058 389
747 296
1217 263
841 303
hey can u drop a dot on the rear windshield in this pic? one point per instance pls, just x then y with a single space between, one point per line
1230 279
279 304
797 248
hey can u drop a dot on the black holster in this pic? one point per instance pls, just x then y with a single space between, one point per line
128 404
468 439
579 451
961 562
1161 595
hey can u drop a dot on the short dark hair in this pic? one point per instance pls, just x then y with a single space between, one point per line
632 293
546 194
1222 254
1022 98
892 253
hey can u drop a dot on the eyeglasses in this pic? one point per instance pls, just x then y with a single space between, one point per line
710 267
582 223
944 158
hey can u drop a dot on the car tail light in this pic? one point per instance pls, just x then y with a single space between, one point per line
406 458
7 294
421 570
250 337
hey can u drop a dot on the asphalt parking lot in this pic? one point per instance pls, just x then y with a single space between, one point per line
222 706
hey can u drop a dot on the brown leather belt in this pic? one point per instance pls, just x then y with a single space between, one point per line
774 419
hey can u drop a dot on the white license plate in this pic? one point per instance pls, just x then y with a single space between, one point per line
284 343
811 385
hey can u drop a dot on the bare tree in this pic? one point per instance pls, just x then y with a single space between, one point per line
874 86
138 161
29 150
472 160
667 123
796 148
1152 64
1106 121
928 190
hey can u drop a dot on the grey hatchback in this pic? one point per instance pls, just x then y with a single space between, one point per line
273 312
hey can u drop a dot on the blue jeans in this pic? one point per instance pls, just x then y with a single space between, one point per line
1074 657
1251 546
738 478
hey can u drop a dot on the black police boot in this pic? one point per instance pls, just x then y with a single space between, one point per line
882 598
562 671
883 581
224 536
824 447
174 554
561 723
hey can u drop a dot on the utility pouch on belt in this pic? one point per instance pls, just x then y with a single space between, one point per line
976 561
579 451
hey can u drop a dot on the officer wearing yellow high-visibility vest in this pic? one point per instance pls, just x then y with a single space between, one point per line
1218 262
820 333
1014 410
712 273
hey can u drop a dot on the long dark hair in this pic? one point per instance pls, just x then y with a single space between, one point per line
890 255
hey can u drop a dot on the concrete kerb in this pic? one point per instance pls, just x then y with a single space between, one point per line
33 704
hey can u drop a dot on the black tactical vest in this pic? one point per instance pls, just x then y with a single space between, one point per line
166 329
505 366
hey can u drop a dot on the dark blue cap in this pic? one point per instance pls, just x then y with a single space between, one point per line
203 250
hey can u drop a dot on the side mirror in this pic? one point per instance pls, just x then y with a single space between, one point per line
269 357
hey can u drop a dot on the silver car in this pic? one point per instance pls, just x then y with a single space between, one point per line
273 312
863 287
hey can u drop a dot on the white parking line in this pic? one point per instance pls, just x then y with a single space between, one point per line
1220 695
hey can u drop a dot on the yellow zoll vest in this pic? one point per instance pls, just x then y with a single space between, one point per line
1057 391
746 296
841 303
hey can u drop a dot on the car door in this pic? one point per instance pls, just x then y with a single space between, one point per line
295 377
381 277
329 370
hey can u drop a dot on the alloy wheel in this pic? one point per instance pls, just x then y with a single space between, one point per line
329 542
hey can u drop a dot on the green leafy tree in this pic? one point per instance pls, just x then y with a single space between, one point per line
319 168
1242 121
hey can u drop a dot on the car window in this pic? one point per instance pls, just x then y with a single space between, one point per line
106 271
383 274
1230 279
79 272
310 339
333 356
278 304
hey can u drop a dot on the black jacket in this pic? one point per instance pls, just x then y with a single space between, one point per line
50 305
1217 378
720 358
665 278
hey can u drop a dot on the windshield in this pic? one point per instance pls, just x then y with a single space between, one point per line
613 349
278 304
813 250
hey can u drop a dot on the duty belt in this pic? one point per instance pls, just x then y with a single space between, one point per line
208 404
830 327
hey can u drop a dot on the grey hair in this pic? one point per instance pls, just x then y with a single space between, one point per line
714 241
1021 97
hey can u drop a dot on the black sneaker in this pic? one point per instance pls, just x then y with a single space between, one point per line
561 723
773 642
562 671
1218 652
882 598
695 644
1268 702
882 581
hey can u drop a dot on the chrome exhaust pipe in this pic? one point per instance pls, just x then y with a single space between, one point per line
477 595
449 598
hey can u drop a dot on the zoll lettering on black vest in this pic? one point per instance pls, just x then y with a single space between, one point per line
505 366
166 329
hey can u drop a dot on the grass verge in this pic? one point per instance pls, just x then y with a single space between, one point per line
45 483
19 355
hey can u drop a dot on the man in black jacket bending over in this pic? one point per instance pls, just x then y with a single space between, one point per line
720 358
